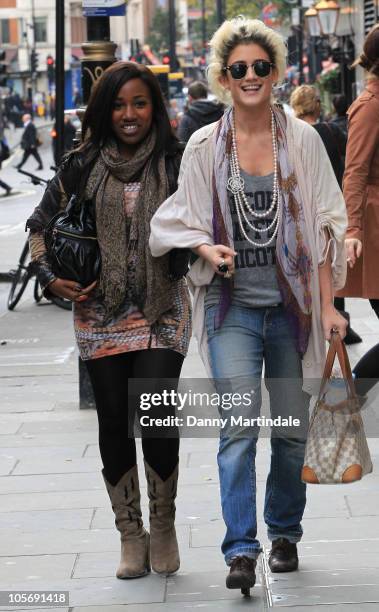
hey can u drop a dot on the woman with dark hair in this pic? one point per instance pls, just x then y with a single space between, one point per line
134 322
361 181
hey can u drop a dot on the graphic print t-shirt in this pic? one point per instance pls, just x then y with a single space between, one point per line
255 281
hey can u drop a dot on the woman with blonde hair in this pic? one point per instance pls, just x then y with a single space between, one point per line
259 204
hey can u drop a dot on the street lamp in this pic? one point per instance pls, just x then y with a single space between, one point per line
328 13
313 22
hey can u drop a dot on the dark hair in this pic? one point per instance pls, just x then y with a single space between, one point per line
340 104
97 127
369 58
198 90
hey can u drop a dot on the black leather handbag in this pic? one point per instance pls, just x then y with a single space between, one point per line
71 242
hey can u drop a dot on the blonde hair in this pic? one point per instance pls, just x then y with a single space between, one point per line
304 100
241 31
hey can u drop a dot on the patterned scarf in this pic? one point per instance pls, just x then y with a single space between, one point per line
293 259
149 286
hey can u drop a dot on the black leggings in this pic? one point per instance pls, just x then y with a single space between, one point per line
339 303
367 371
116 412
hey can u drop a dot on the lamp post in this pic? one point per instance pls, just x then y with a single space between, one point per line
174 64
99 53
323 19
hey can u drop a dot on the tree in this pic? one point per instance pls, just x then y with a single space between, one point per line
159 37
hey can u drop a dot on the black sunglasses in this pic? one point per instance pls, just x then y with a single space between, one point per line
238 70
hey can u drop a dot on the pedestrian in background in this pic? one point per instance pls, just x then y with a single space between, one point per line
30 142
340 120
256 190
361 181
200 111
306 103
136 322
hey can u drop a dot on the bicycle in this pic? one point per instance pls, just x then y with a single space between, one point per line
26 270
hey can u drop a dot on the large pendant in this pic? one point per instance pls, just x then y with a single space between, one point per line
235 184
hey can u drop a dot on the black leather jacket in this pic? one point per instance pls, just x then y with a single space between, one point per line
71 178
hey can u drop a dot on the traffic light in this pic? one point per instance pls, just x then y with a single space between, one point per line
3 68
50 68
34 60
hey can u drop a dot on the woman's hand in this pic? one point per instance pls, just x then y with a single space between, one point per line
331 319
216 255
353 248
70 290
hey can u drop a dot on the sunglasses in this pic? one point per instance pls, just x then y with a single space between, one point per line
238 70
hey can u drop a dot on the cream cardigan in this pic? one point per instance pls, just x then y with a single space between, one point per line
185 221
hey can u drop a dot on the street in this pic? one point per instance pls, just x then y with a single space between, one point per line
15 208
56 524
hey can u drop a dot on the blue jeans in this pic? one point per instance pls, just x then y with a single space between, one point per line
248 338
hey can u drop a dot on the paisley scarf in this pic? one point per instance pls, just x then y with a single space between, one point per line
293 256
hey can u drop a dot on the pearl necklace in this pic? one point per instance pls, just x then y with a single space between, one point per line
236 185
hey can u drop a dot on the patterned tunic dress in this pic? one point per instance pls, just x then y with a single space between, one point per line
129 330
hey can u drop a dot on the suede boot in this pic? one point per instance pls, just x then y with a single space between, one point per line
164 549
135 546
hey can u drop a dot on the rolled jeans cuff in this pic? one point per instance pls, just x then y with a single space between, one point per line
251 553
293 538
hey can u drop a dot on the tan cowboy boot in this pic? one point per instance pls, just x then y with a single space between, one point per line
164 550
125 498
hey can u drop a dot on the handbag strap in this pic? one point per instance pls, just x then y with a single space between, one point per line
338 348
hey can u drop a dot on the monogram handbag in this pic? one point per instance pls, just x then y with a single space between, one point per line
71 242
336 449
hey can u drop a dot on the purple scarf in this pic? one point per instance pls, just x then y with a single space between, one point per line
293 259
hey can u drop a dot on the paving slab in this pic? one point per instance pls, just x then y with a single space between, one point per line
364 505
243 604
46 520
61 426
7 464
303 597
339 561
60 465
109 592
53 500
323 578
42 483
203 586
57 439
6 427
35 452
36 567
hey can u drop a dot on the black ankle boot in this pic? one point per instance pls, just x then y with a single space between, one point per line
283 556
242 573
351 336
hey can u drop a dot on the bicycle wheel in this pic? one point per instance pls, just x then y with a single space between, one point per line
38 295
20 279
61 302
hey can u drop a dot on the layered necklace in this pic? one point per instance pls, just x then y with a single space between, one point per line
236 185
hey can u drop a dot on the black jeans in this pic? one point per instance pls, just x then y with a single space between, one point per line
115 411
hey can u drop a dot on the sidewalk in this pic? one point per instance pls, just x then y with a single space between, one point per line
56 524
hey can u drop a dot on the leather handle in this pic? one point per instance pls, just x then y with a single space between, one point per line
338 348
